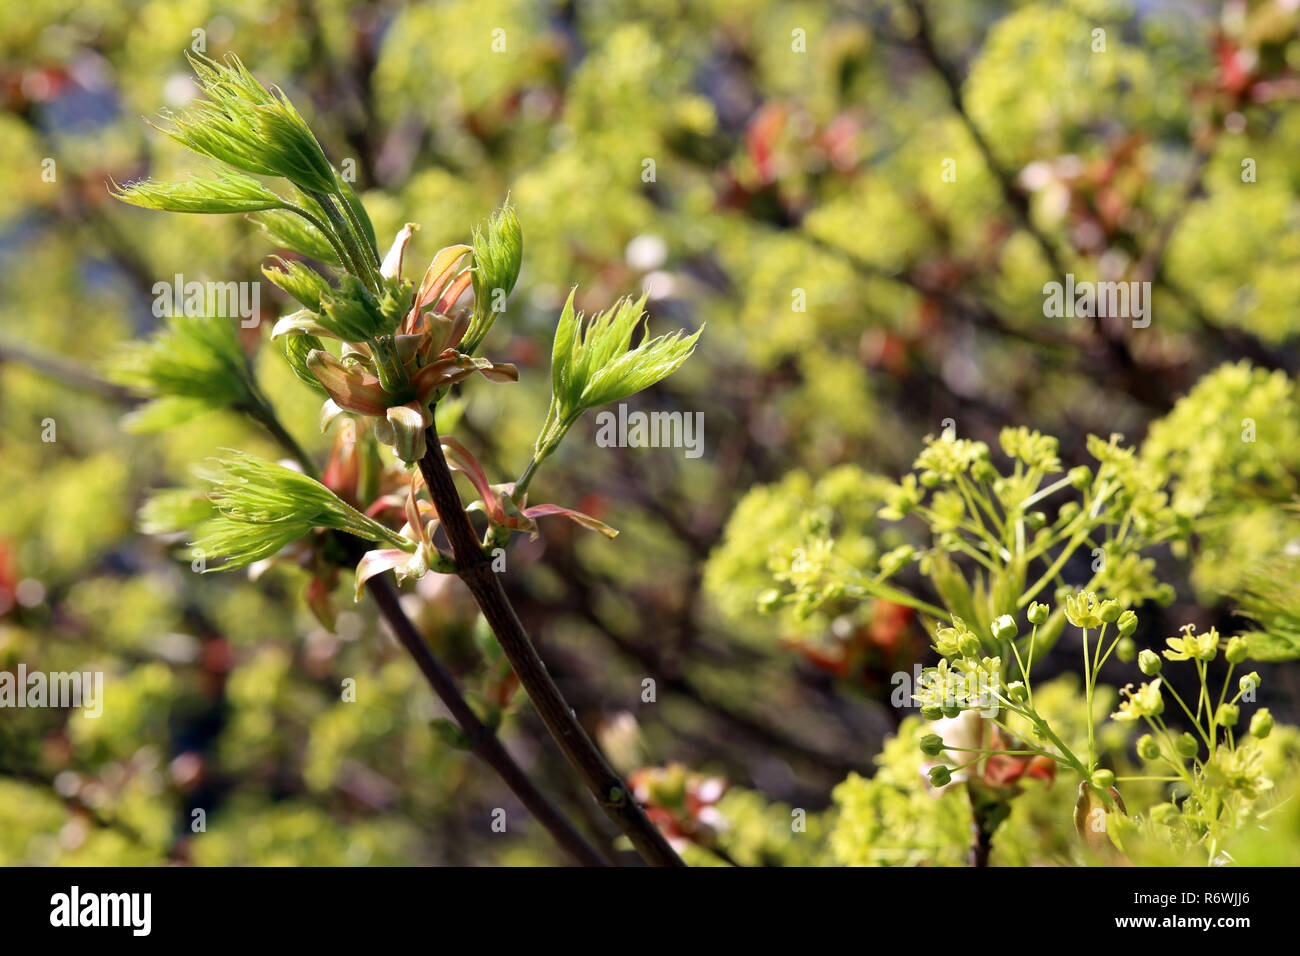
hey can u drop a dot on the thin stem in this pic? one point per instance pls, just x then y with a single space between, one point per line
1044 492
1110 650
355 246
521 486
475 569
1023 673
1087 685
990 753
1051 572
264 415
981 847
874 588
1029 688
1186 710
371 255
326 231
482 740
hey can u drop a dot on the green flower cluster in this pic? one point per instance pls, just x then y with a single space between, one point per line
995 546
1220 781
788 545
1230 450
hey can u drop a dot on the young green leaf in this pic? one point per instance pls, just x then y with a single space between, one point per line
498 251
302 283
227 192
294 233
262 507
1271 599
296 348
170 510
244 125
593 364
193 365
353 314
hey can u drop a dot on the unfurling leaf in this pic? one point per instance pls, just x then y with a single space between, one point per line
296 348
302 283
228 192
173 509
593 363
294 233
349 387
194 365
409 422
262 507
498 253
244 125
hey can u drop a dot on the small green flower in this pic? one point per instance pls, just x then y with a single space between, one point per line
901 499
1033 448
1261 725
1038 614
949 458
1187 745
1147 747
1240 769
947 640
931 745
1227 715
1144 702
947 690
1083 610
1193 646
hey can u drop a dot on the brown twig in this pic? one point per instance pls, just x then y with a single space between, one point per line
474 567
482 740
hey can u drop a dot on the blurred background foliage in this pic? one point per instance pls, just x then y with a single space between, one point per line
864 211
